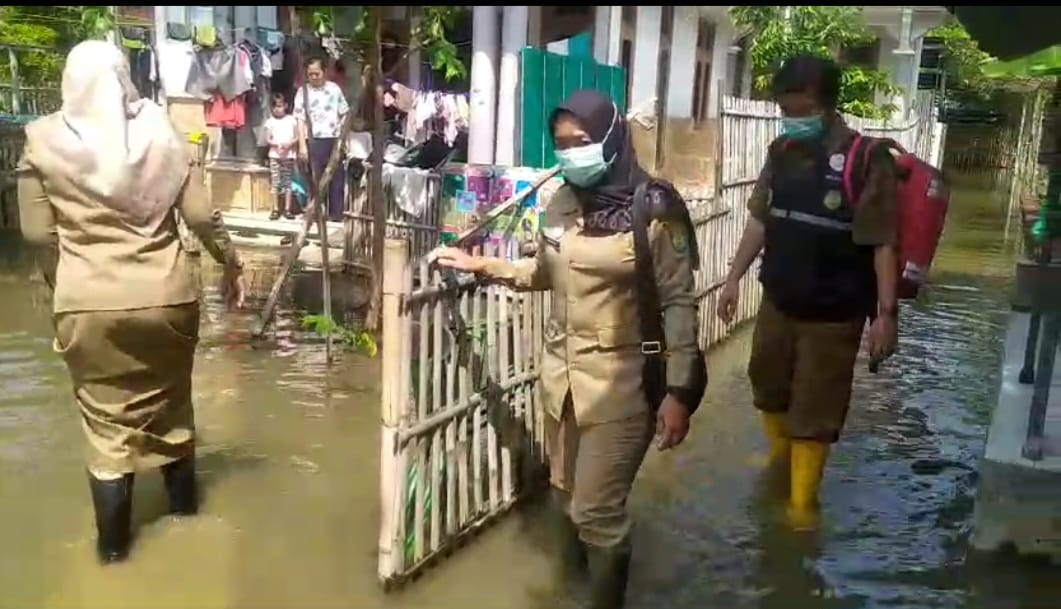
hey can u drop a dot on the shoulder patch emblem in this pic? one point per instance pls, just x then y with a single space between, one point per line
833 200
678 238
837 161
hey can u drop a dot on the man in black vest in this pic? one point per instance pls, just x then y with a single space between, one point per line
829 264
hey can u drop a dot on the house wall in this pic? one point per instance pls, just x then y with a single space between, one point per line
688 142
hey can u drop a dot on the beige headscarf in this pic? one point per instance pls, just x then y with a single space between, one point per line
120 149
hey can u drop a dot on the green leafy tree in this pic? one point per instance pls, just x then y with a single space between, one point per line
779 32
41 35
428 35
964 61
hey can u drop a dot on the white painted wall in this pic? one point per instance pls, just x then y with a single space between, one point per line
902 68
514 22
483 95
557 46
607 35
683 62
723 65
646 55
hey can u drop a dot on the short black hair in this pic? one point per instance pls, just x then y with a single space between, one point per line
809 74
315 59
278 98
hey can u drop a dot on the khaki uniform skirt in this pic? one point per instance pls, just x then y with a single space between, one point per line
132 378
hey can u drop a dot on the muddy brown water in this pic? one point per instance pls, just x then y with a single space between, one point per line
289 462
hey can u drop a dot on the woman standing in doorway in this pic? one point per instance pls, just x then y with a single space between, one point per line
99 187
320 109
603 408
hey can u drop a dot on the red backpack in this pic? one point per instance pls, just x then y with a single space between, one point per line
923 202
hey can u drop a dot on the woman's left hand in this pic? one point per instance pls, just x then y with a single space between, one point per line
672 423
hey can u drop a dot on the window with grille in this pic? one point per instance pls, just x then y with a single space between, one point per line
705 41
627 48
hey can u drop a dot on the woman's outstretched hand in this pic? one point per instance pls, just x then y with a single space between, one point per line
672 423
454 258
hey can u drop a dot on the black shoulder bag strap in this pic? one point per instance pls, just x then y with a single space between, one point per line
653 341
650 311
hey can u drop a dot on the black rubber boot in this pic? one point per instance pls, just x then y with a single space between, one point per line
572 550
181 487
113 503
609 569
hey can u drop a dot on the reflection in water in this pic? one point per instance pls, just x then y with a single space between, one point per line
289 461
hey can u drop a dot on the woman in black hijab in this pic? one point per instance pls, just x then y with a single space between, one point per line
607 388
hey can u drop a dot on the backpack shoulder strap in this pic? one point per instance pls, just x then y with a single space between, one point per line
856 170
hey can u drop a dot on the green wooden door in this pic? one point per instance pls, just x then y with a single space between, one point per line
548 79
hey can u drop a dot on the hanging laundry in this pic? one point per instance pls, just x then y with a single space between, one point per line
134 37
178 31
433 113
217 70
408 188
228 114
272 43
175 59
206 36
141 69
358 145
332 47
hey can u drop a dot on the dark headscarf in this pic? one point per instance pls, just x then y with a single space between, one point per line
606 204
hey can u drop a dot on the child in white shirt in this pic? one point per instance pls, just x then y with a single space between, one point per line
281 133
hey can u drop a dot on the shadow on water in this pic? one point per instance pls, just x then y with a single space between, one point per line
289 461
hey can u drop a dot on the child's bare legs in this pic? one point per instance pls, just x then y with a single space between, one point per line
278 207
289 204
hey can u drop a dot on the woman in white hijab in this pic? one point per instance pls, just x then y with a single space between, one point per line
100 185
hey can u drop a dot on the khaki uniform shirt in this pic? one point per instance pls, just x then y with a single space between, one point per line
593 335
95 262
876 213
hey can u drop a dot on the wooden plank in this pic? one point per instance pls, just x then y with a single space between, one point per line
438 504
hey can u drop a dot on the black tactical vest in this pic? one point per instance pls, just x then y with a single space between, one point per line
812 269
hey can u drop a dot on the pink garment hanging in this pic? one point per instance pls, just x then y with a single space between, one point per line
226 114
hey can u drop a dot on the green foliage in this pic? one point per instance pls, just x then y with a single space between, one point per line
780 32
50 31
964 61
353 339
429 36
96 22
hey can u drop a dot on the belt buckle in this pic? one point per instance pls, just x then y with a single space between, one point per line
652 347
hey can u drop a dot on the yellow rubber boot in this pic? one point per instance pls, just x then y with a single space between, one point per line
808 464
780 445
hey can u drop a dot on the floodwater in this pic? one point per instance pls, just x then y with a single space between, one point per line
289 460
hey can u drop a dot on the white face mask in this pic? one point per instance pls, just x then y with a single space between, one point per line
585 165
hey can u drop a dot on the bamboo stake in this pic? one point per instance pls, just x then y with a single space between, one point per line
326 282
308 218
394 399
375 178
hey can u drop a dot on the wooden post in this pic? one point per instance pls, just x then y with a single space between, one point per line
326 282
308 217
375 177
393 398
16 94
